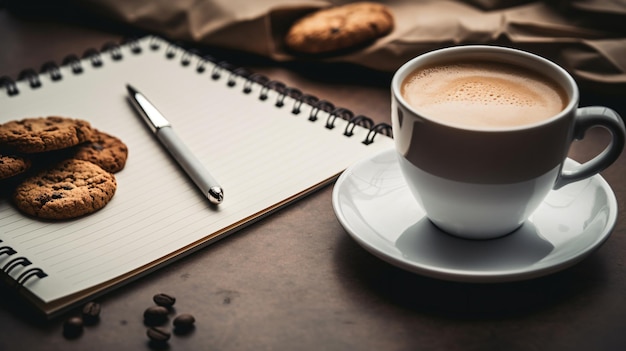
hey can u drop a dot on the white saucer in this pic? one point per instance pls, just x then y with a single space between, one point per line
373 203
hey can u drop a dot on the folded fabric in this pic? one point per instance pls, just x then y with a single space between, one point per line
586 37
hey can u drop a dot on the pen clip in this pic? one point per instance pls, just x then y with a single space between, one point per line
149 113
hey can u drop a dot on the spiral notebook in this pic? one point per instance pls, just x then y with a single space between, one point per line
267 144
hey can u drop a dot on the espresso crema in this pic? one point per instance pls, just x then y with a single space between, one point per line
483 94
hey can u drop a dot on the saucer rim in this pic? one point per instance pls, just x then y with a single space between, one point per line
490 276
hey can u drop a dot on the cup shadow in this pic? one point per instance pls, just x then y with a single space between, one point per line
423 242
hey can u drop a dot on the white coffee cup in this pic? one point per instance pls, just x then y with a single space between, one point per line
483 181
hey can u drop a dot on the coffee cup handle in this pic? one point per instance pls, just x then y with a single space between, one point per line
587 117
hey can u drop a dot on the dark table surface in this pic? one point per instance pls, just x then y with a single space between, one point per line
297 281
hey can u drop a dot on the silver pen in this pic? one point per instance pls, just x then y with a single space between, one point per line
164 132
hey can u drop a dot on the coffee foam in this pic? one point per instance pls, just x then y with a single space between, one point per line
483 94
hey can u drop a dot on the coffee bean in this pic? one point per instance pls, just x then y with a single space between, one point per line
184 323
157 334
155 315
73 327
91 313
164 300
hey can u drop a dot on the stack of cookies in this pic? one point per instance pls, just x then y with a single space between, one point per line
58 167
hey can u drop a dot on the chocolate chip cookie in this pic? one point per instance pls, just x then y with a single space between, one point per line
69 189
40 134
338 28
12 165
105 150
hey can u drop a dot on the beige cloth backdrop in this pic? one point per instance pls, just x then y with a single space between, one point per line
587 37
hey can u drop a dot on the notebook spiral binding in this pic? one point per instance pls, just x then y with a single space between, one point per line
14 262
220 70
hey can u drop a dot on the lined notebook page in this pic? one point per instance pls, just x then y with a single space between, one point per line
262 155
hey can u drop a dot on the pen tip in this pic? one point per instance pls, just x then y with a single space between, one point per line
130 89
216 195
